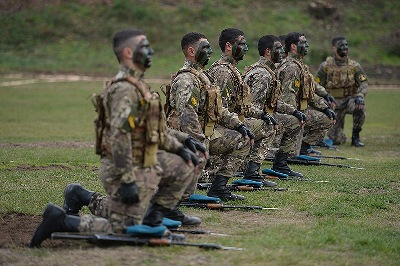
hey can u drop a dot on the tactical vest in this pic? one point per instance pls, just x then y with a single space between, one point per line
340 80
240 101
307 87
274 89
147 131
209 111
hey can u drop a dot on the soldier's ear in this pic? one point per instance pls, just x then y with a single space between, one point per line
191 51
127 52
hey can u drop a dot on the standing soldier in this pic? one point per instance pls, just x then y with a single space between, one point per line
132 130
265 90
345 80
194 106
236 97
298 90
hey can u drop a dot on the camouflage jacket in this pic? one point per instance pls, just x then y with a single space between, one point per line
342 78
130 127
298 87
188 100
235 93
265 88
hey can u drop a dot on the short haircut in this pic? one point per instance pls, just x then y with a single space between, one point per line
122 39
266 42
229 35
190 39
336 39
292 37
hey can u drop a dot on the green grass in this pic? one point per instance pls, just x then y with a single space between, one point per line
353 219
75 37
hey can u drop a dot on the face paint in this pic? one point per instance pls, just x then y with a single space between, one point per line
203 53
342 48
143 54
277 52
239 48
302 46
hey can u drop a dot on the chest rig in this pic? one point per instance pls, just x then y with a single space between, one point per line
274 88
147 126
340 81
306 86
207 101
238 100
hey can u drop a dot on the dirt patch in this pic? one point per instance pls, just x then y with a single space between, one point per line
53 144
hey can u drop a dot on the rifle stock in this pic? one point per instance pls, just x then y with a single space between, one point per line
132 240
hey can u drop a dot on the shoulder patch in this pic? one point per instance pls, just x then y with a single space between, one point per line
193 101
317 79
362 77
296 83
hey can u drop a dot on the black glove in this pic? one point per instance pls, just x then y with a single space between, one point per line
245 131
188 155
359 100
299 115
329 113
194 145
268 119
330 99
129 193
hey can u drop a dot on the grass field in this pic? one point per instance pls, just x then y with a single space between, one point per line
46 139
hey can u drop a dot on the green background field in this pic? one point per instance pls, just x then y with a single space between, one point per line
47 134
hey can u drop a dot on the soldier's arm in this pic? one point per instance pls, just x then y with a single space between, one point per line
320 76
289 77
229 120
187 99
361 80
285 108
259 84
122 104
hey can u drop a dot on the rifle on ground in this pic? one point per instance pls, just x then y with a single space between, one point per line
196 232
308 162
222 207
336 157
204 186
132 240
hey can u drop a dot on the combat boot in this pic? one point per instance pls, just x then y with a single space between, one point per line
177 215
355 138
218 189
253 173
75 197
306 149
280 165
154 215
54 220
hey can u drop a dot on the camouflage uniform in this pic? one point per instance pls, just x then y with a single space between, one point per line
132 112
298 90
344 80
265 90
193 108
236 96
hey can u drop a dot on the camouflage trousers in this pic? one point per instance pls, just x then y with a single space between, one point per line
286 136
346 106
164 184
315 129
264 135
228 150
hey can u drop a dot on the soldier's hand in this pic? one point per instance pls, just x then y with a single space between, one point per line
187 155
268 119
300 115
129 193
246 132
329 113
359 101
194 145
331 101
